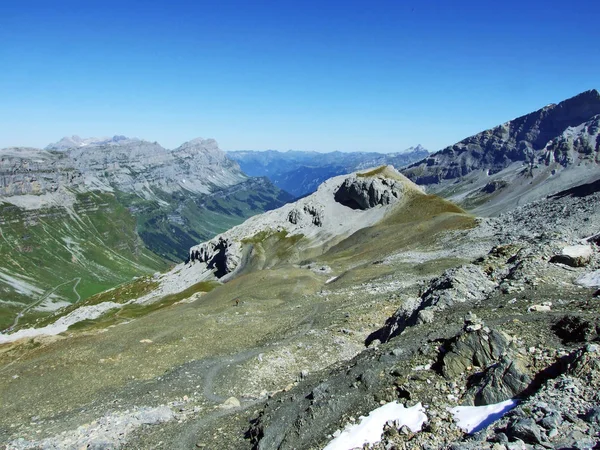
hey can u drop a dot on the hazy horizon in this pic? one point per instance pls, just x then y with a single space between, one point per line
315 76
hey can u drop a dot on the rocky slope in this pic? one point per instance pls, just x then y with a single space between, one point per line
58 206
312 225
424 306
284 331
524 159
512 325
300 173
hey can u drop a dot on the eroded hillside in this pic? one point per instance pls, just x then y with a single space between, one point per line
284 330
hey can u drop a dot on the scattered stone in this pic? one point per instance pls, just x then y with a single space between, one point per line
592 416
525 429
472 323
552 421
231 403
544 307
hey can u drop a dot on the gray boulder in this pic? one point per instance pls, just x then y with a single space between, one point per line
478 349
505 380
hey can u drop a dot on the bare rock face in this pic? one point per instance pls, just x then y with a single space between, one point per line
307 214
26 171
220 255
130 165
564 133
365 193
499 382
478 348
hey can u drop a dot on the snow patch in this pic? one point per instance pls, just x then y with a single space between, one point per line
20 285
471 419
331 280
370 428
578 251
62 324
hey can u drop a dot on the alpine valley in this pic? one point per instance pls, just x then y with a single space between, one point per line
450 304
85 215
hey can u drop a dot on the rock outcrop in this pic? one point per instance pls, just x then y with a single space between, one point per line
337 209
220 255
365 193
574 256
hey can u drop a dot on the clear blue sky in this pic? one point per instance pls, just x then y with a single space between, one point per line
310 75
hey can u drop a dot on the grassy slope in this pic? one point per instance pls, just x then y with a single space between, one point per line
97 244
275 303
99 247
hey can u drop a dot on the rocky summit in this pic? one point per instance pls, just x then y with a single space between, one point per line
524 159
371 314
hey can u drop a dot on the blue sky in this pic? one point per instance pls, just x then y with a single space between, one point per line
309 75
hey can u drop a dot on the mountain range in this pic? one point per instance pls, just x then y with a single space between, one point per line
553 148
84 215
301 172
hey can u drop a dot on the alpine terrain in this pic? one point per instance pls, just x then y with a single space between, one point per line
372 313
524 159
85 215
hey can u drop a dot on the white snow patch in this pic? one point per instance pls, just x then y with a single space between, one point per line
471 419
591 279
578 251
63 323
20 285
331 280
370 428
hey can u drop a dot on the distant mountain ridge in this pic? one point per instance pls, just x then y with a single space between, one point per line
69 142
301 172
518 158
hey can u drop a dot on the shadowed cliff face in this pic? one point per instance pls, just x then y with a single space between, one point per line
564 132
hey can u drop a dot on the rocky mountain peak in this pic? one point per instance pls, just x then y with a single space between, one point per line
206 152
204 146
415 149
550 142
129 164
316 217
72 142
